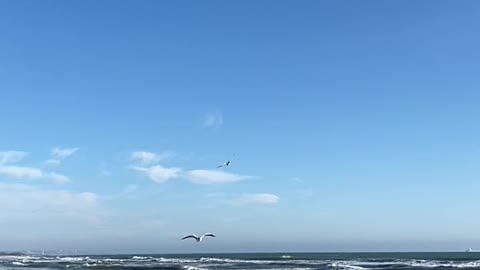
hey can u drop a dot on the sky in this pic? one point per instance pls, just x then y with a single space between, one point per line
351 125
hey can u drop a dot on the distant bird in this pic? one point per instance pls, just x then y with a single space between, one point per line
226 164
198 239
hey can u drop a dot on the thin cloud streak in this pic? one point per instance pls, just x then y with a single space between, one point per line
209 177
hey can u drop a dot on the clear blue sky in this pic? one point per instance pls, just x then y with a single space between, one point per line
355 125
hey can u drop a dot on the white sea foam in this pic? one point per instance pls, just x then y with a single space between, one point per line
412 263
226 260
203 263
141 258
72 259
435 264
342 265
188 267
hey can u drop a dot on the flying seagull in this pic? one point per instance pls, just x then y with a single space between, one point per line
198 239
226 164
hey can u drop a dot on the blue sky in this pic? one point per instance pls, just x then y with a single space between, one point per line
354 125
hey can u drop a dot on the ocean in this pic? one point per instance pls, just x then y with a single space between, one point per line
284 261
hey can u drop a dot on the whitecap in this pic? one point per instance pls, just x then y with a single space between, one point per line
344 265
189 267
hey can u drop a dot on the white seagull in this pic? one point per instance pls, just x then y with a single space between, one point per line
198 239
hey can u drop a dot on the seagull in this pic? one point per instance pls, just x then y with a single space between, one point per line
198 239
226 164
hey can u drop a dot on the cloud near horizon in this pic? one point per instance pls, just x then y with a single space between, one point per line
21 172
39 197
244 199
208 177
258 198
25 172
43 206
57 178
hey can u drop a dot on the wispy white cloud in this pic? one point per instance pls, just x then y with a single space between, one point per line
52 162
212 119
258 198
144 163
144 157
147 158
159 173
21 172
243 199
12 156
25 172
57 178
59 154
208 177
62 153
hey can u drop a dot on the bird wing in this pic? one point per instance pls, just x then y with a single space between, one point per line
190 236
209 234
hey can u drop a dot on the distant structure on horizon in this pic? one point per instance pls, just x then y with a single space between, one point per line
471 250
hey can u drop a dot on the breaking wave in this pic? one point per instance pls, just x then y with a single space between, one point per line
244 262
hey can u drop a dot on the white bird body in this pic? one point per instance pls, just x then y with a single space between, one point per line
198 239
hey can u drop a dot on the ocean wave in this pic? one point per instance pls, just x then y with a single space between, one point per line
206 263
345 266
445 264
358 265
227 260
142 258
189 267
